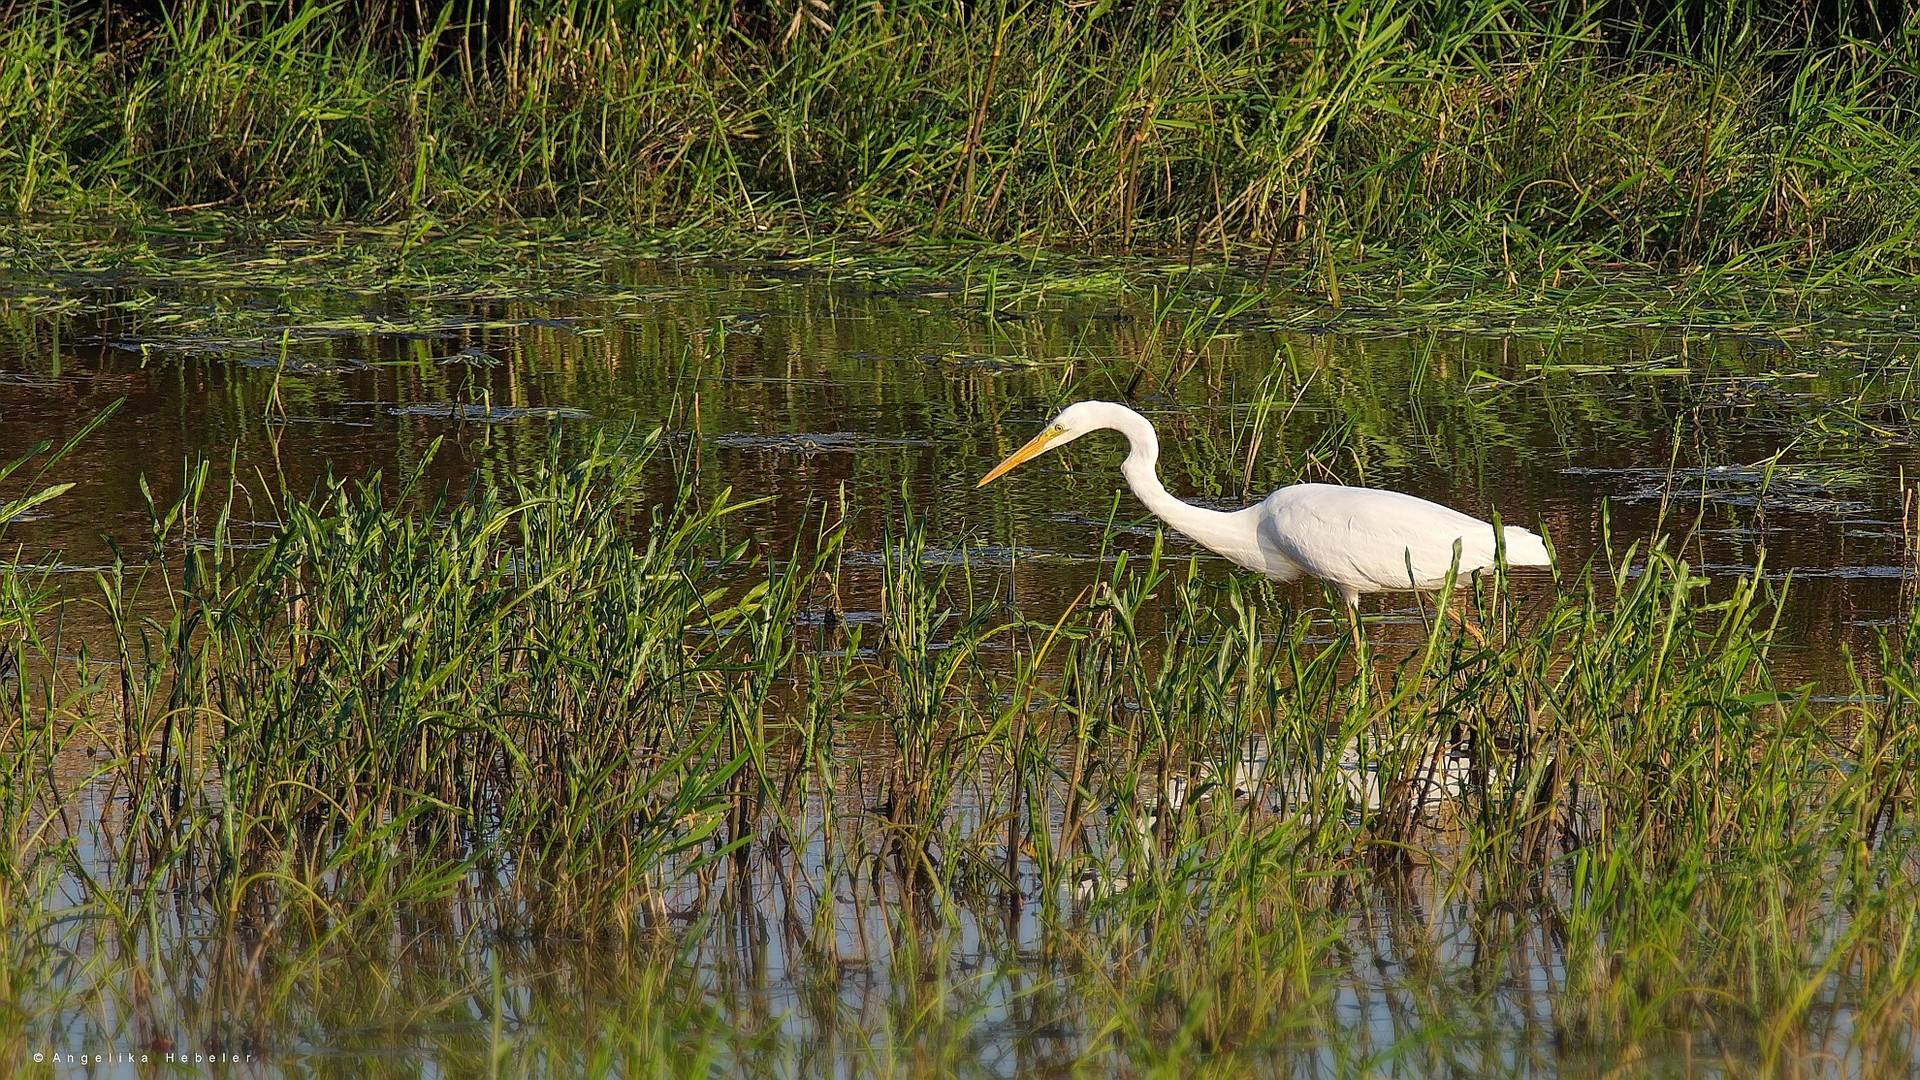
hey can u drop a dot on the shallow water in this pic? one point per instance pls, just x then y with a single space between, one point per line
1738 442
1732 443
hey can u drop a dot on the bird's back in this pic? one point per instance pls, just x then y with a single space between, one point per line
1366 540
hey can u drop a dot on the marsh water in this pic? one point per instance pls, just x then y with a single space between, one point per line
1780 441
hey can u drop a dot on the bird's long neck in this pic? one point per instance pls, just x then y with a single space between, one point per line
1140 469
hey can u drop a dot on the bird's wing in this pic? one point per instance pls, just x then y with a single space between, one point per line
1362 539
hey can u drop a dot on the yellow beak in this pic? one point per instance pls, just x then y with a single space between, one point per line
1026 453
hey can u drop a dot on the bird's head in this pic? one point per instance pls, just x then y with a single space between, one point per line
1074 421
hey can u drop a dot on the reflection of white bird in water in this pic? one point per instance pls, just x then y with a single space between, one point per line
1359 540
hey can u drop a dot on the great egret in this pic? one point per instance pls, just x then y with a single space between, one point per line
1359 540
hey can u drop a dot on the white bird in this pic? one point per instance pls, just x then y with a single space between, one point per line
1359 540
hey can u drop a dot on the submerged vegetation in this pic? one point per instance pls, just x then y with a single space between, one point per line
1533 141
1171 824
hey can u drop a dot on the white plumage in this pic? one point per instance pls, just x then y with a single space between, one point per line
1363 540
1359 540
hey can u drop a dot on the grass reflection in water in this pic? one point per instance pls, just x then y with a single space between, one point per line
558 776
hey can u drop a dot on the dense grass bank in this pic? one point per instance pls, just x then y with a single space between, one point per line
1529 141
420 734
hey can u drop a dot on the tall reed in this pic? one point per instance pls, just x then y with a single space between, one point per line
1532 141
575 705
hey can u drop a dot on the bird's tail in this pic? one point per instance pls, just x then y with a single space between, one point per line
1524 547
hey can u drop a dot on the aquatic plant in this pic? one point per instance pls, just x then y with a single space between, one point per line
1535 143
420 731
